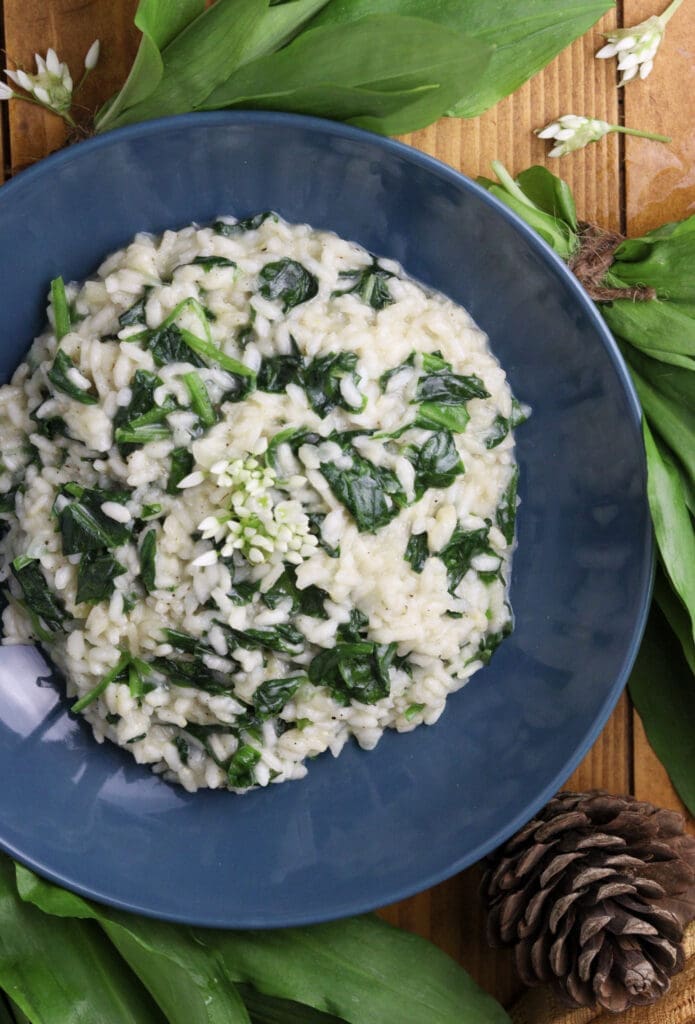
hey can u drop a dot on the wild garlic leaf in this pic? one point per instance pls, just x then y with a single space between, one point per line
37 597
435 415
308 601
417 551
221 227
276 372
148 560
355 629
661 259
59 378
288 280
354 671
167 345
240 773
505 515
662 330
271 696
61 310
136 313
83 525
458 553
95 575
160 21
384 72
448 388
321 380
226 35
436 464
370 283
491 641
283 638
193 673
180 466
372 494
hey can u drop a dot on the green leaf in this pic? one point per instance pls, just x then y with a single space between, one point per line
417 551
524 35
661 330
435 415
271 696
227 35
58 376
372 494
200 400
84 527
288 280
553 229
370 284
61 311
37 596
148 563
240 771
460 550
448 388
95 575
180 466
160 21
437 463
505 516
673 524
64 971
383 72
661 259
267 1010
180 974
550 194
321 380
673 610
116 673
661 686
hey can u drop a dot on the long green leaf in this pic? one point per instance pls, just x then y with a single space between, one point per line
661 687
185 982
661 259
661 330
672 522
267 1010
64 972
676 615
360 970
227 35
525 34
160 21
5 1016
378 56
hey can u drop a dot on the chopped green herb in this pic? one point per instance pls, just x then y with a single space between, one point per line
288 280
321 381
498 432
8 501
37 597
58 376
505 516
95 575
142 419
240 773
167 345
372 494
412 711
417 551
370 285
243 592
271 696
148 556
181 465
61 310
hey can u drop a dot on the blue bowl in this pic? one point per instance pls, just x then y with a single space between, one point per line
367 828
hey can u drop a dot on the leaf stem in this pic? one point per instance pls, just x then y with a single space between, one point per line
510 185
97 691
670 11
642 135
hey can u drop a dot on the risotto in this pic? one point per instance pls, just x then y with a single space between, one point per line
258 493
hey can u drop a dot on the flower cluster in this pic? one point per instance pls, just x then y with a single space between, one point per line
571 131
636 47
252 523
51 86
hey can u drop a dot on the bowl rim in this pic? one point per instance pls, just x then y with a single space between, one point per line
25 179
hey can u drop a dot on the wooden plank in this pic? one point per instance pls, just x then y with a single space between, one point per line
660 184
69 26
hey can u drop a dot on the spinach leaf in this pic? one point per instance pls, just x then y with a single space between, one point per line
271 696
220 227
61 310
448 388
288 280
417 551
437 464
95 575
308 601
283 638
200 399
136 313
148 563
84 527
58 376
276 372
193 673
352 630
460 551
181 465
321 380
37 596
505 516
167 345
435 415
240 773
372 494
354 671
370 285
210 262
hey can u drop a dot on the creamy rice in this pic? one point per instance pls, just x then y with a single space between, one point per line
258 498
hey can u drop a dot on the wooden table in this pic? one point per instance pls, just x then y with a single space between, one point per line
625 184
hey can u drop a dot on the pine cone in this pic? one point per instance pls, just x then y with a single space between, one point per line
594 895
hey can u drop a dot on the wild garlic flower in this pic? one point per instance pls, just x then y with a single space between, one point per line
572 131
252 523
636 47
51 86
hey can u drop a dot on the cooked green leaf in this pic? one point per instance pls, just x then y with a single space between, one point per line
167 345
321 380
194 673
61 310
181 465
84 527
240 772
288 280
370 284
116 674
490 642
448 388
136 313
36 594
417 551
271 696
308 601
372 494
355 629
435 415
58 376
460 551
283 638
200 399
148 561
95 575
221 227
209 263
437 463
505 516
354 671
276 372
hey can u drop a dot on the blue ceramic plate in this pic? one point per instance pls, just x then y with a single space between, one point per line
367 828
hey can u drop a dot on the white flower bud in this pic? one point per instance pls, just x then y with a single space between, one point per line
5 92
92 57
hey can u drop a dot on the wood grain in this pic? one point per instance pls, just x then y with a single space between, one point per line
655 184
